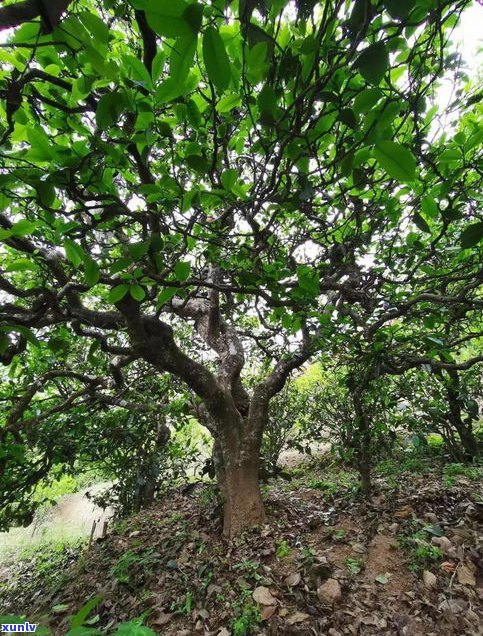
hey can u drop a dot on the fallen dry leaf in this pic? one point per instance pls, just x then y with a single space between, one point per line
448 566
293 579
404 512
429 579
267 612
296 617
465 576
161 619
263 596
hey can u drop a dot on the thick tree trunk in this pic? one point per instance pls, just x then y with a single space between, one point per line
243 505
237 470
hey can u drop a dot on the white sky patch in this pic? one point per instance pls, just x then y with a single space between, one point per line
467 39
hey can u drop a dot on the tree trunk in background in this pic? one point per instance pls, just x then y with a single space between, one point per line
363 432
464 429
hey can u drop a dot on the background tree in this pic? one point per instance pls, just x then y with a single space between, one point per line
171 170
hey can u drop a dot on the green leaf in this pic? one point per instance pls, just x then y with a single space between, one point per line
382 579
168 90
182 55
429 207
228 103
182 270
21 265
91 272
308 279
347 117
373 63
97 27
166 18
165 296
137 70
109 109
198 163
74 252
117 293
366 100
436 531
158 65
193 14
23 228
421 223
399 8
396 160
472 235
215 58
45 193
138 250
137 292
229 179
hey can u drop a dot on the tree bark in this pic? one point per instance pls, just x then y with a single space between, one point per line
363 436
49 10
238 478
464 429
237 462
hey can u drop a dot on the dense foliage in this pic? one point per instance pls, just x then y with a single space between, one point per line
220 193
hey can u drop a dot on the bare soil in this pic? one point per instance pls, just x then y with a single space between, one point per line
171 565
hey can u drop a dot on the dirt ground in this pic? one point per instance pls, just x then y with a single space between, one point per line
406 562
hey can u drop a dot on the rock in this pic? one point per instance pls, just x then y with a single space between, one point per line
293 579
429 579
330 592
431 517
223 632
198 626
263 596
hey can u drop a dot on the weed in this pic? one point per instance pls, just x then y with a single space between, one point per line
250 569
327 486
209 497
247 616
283 549
338 535
123 569
355 566
421 552
402 464
452 471
175 517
